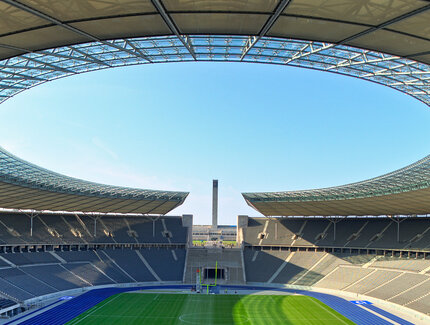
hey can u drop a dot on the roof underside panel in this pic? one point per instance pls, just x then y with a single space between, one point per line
405 191
379 25
27 186
410 203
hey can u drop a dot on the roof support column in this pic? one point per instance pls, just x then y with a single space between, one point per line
32 215
398 232
334 231
334 220
153 225
397 220
95 225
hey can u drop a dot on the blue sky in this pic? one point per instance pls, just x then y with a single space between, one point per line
254 127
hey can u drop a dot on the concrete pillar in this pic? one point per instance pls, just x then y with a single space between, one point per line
242 223
215 204
187 221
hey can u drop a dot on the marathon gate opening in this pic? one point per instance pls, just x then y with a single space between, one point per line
212 273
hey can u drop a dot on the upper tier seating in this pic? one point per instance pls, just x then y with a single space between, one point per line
79 229
350 232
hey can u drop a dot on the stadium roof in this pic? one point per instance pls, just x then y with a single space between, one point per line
405 192
398 27
44 40
27 186
382 41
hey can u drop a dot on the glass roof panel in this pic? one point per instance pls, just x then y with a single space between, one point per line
409 178
19 172
28 70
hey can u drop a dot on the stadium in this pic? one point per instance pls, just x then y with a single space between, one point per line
78 252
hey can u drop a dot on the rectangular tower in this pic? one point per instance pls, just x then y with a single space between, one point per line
215 204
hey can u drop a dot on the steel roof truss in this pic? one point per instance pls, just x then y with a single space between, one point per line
253 40
172 26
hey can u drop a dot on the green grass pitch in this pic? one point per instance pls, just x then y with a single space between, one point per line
165 309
